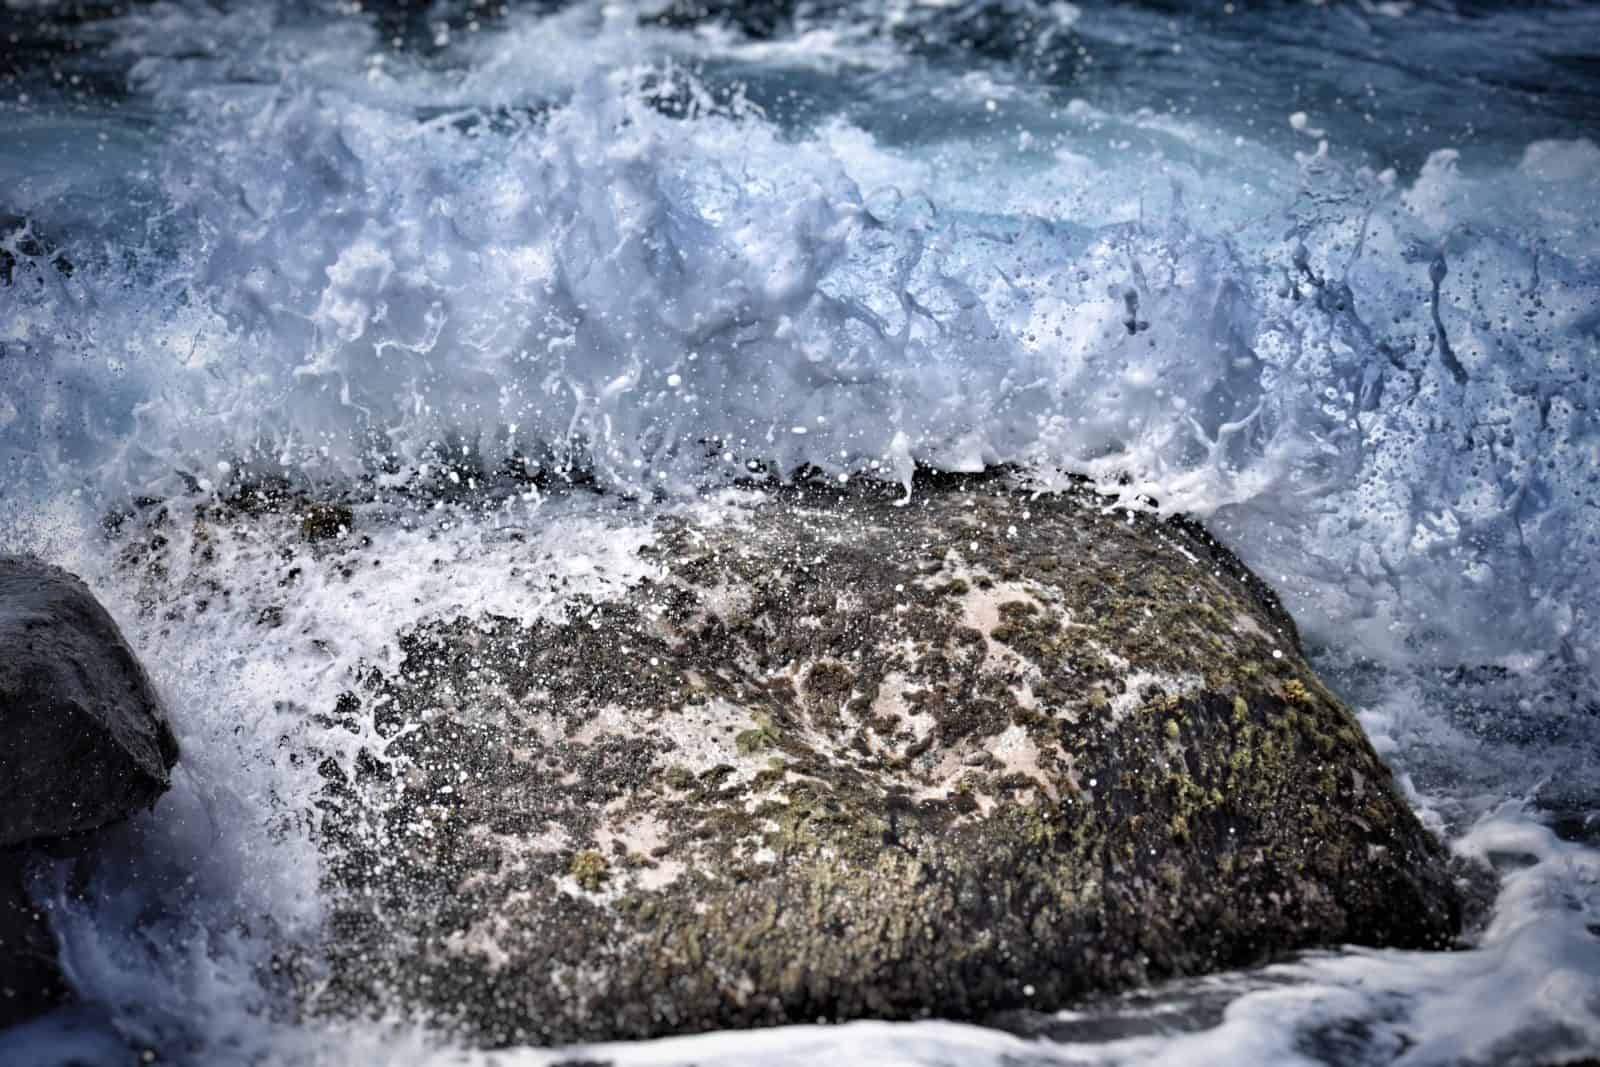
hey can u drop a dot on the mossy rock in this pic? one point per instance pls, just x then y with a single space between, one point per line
840 758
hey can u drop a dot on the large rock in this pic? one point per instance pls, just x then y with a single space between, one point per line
86 739
841 759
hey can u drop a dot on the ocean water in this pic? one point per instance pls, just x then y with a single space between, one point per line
1326 275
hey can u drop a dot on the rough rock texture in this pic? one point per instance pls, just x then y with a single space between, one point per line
86 740
843 759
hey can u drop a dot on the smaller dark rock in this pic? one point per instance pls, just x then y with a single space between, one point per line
86 744
86 740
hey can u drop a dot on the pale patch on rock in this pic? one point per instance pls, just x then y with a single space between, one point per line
942 775
484 938
606 719
641 836
514 850
1017 753
1244 624
1173 685
704 735
891 700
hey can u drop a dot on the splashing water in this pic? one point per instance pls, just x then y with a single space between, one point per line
1343 307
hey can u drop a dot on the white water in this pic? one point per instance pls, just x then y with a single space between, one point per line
582 241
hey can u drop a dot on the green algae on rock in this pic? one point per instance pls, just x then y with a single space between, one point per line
839 758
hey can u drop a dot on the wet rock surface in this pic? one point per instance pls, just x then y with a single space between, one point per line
842 759
87 741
